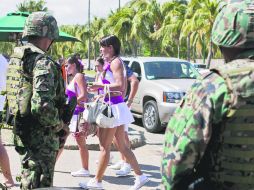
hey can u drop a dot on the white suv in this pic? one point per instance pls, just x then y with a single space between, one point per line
163 83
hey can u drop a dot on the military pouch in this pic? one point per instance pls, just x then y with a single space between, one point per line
7 117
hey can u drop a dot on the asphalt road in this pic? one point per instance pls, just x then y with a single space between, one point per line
148 156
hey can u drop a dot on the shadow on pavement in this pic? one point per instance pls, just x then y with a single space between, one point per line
129 180
153 172
63 172
59 188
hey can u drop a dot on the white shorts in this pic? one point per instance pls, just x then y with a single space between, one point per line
122 114
73 124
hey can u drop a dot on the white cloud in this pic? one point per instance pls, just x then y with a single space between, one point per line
70 11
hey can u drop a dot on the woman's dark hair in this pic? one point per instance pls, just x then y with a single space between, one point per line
74 60
100 60
113 41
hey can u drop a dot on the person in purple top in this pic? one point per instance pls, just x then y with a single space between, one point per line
76 86
122 166
115 74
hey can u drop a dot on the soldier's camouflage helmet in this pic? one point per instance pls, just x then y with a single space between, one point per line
234 25
41 24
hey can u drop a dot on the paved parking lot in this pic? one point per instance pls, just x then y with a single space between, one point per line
148 156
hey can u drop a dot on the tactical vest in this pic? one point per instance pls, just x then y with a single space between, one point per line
231 149
19 83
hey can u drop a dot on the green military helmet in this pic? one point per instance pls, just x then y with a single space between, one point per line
41 24
234 25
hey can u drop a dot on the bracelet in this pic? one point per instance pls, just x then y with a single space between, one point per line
130 101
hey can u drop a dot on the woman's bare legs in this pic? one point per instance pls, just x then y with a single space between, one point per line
105 138
84 154
125 150
59 153
5 166
127 142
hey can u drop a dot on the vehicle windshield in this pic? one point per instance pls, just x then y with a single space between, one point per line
169 70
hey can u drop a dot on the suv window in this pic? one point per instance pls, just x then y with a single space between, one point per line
169 70
126 62
135 66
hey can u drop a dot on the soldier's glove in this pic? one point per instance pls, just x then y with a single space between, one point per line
63 134
58 127
68 110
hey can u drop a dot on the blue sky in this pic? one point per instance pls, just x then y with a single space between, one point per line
71 11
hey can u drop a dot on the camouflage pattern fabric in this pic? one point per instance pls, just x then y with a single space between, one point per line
189 130
41 24
203 111
36 136
234 25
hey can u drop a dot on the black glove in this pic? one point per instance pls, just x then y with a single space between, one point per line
68 110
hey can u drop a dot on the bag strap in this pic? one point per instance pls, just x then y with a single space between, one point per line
107 91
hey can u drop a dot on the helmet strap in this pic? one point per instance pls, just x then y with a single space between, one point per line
50 45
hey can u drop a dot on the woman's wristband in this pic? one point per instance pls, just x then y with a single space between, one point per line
130 101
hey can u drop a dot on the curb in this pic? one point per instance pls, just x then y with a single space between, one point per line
137 139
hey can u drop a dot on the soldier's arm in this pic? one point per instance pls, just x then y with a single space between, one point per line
44 91
189 130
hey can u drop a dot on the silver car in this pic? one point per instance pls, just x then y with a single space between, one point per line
163 83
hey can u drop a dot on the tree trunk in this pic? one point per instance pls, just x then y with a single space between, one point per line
210 54
135 48
188 47
178 50
194 54
203 48
94 50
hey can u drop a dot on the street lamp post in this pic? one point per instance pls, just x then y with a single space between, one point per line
119 4
89 36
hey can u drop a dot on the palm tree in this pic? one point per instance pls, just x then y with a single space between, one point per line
120 23
6 47
147 19
170 30
198 25
96 34
32 6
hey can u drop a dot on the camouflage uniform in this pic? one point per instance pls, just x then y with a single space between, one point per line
209 142
35 98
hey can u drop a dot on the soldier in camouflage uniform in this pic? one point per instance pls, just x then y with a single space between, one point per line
209 142
35 101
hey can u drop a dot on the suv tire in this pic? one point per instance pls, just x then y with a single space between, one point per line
150 117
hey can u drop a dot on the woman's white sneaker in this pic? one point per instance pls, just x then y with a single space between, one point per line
117 166
140 181
81 173
91 184
125 170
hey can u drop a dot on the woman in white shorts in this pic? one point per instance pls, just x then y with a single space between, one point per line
114 76
78 88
